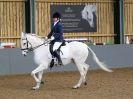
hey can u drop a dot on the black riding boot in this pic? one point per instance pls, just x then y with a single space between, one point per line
57 54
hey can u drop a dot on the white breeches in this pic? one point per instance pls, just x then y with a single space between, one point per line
56 45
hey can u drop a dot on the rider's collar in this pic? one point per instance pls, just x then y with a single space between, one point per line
56 22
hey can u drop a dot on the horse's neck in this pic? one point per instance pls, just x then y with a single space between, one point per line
35 41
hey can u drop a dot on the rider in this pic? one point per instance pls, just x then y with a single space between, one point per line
56 35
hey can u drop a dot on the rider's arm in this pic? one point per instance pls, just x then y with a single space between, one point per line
59 32
50 34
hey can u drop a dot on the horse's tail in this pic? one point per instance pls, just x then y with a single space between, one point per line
101 64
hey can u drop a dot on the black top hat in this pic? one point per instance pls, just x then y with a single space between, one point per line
56 15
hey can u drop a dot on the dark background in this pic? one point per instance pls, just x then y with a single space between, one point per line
71 18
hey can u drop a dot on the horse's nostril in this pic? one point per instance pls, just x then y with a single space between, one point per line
25 55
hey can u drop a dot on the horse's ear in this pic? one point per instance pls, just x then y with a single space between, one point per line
33 34
93 8
22 34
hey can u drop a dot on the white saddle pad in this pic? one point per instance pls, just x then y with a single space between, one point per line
64 52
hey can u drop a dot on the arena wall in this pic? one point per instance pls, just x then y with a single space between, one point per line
115 56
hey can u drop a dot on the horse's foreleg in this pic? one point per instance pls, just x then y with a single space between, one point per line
40 76
39 70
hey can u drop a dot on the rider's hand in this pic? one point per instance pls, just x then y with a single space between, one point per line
46 37
52 38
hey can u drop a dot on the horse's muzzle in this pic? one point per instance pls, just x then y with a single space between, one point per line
24 55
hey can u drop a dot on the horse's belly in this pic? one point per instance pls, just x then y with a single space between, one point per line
66 61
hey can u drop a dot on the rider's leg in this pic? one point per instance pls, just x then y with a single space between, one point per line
56 52
51 47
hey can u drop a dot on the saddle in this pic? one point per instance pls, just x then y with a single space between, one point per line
52 44
62 50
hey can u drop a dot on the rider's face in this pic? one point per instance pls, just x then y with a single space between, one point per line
55 19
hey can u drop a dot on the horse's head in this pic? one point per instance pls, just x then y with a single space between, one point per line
30 42
25 46
88 14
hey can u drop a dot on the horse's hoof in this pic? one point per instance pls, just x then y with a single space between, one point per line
42 82
85 83
35 88
75 87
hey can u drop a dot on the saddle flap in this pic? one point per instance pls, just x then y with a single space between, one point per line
64 52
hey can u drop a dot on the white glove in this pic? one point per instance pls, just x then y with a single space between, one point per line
46 37
52 38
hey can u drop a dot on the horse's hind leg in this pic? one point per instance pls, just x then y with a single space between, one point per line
82 67
86 67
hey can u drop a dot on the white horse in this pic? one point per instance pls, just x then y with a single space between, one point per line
87 14
78 54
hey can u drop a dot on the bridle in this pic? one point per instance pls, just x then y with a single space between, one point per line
27 45
30 49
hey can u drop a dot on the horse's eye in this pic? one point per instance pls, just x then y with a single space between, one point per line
24 43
